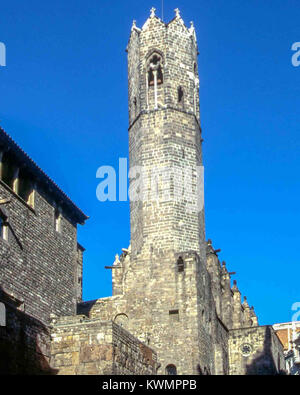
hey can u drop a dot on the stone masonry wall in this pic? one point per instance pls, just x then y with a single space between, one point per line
38 264
24 343
91 346
255 351
172 313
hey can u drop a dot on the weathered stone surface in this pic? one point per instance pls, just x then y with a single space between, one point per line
264 355
98 347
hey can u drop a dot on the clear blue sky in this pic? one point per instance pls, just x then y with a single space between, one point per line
64 100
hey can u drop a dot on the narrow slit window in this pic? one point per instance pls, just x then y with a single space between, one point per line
57 220
195 68
3 228
180 95
180 265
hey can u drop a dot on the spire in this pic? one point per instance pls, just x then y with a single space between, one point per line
152 12
235 287
253 316
134 26
209 247
245 303
177 13
192 31
234 283
117 260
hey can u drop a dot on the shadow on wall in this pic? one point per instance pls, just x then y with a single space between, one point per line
265 363
24 341
84 308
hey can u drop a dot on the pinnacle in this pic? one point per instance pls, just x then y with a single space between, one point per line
152 12
177 12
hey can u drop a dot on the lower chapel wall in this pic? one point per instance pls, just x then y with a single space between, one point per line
24 344
255 351
91 346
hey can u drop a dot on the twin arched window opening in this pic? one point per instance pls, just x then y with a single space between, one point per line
155 78
155 73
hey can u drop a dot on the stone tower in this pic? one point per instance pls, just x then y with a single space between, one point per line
170 290
163 275
165 138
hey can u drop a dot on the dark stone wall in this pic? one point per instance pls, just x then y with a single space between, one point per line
38 265
24 344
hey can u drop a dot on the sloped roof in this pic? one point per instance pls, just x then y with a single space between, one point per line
49 185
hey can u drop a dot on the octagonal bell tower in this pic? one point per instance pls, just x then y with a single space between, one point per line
165 138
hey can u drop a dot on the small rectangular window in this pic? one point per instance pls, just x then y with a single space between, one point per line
174 315
180 265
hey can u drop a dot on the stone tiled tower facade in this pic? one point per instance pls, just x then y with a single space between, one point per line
164 133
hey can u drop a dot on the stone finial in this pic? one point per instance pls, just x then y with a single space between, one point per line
245 303
117 260
235 287
192 28
177 12
152 12
133 24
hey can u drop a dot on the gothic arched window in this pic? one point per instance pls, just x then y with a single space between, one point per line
171 370
154 80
